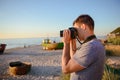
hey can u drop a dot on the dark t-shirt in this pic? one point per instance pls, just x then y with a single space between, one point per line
91 55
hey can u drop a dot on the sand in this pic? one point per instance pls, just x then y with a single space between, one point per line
46 64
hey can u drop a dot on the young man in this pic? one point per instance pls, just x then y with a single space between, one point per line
86 63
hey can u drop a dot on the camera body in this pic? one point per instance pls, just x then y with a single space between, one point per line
73 32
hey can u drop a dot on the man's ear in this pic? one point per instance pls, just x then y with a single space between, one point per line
83 26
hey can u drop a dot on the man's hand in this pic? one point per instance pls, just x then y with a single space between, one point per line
66 36
68 41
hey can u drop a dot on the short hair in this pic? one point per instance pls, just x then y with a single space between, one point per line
85 19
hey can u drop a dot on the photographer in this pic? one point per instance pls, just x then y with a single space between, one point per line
86 62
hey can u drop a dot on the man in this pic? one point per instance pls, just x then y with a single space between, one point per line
86 63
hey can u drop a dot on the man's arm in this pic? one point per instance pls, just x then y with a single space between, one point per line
68 63
72 47
65 57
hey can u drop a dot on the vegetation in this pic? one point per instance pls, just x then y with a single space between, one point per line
112 50
65 77
111 73
114 41
60 45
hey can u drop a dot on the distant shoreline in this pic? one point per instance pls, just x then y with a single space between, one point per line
22 42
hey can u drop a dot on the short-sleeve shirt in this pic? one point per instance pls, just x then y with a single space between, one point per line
91 56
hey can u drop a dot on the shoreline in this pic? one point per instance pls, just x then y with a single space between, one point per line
23 46
21 42
46 64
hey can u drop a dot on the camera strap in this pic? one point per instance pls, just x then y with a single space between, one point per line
87 40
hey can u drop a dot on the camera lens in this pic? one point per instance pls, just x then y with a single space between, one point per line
61 33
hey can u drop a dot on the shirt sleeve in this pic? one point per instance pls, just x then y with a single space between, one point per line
86 55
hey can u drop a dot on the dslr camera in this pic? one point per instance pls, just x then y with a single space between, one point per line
73 32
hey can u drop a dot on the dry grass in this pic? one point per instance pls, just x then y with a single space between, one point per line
110 73
113 50
65 76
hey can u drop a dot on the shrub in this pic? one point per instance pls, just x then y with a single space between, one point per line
60 45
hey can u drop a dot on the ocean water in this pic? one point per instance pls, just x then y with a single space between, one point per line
21 42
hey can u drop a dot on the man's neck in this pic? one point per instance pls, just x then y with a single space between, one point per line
89 38
87 35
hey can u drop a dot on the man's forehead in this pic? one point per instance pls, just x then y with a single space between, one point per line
76 25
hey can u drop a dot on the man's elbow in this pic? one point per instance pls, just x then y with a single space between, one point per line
65 71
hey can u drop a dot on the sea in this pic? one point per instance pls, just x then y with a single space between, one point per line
24 42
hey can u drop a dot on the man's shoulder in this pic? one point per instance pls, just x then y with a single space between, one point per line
93 46
94 42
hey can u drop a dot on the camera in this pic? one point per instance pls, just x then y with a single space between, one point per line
73 32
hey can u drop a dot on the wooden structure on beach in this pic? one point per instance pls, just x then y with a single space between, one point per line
114 34
2 48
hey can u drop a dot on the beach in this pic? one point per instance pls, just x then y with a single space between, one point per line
46 64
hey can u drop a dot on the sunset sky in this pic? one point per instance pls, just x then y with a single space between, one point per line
38 18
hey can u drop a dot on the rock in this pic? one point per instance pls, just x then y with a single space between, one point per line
113 62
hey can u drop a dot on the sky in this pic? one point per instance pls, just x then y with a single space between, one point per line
45 18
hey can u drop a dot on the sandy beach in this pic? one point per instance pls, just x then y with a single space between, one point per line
46 64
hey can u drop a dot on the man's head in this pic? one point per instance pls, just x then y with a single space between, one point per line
85 19
84 25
